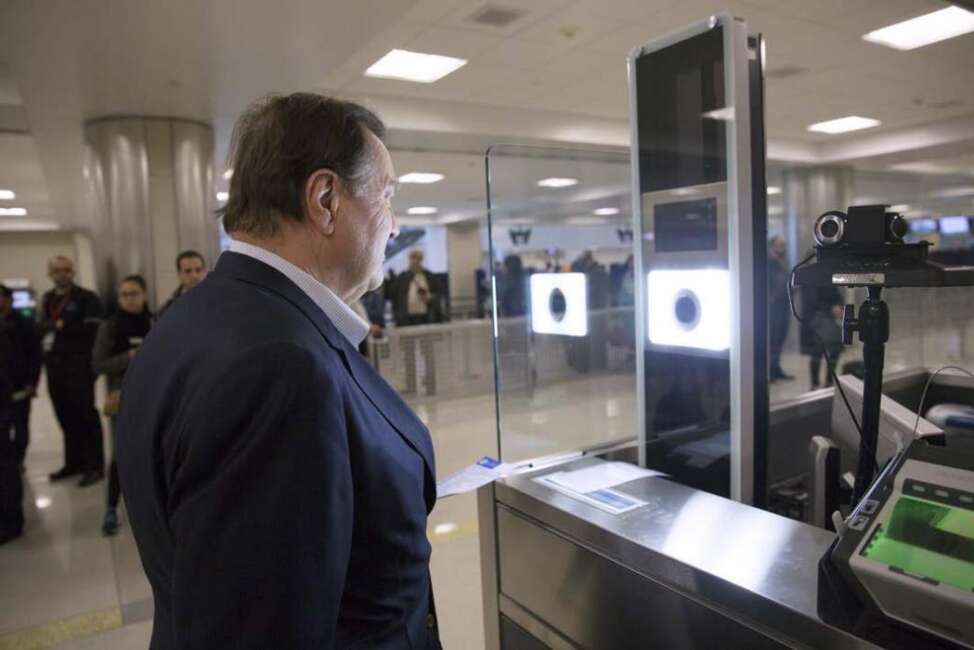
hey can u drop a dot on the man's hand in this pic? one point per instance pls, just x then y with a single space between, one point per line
375 331
59 325
837 311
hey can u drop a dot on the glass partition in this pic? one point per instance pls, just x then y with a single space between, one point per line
560 231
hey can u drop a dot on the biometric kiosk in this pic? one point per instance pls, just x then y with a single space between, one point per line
576 550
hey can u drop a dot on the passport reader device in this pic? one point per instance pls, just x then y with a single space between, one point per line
901 573
699 204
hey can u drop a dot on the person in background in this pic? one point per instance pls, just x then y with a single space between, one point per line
415 300
779 311
119 337
514 291
69 319
25 370
11 482
191 268
821 331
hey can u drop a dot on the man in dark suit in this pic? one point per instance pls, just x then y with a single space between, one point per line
24 369
278 488
70 316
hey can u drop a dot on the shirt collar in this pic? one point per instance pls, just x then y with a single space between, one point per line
350 324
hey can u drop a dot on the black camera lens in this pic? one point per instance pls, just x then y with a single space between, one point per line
830 228
897 227
686 308
557 305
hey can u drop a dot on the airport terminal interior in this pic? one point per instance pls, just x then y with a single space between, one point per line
699 274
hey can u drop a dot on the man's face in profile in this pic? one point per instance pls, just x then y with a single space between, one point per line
370 221
192 270
61 273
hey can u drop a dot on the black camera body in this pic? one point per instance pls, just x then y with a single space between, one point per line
862 225
864 247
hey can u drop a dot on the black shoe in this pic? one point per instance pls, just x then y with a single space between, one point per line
785 377
10 535
63 473
90 478
110 525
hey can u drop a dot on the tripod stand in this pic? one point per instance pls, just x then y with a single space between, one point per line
873 328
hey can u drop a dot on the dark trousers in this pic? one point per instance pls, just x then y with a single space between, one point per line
815 367
20 423
114 487
777 333
11 484
72 387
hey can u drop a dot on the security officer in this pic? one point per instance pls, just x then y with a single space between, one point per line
11 483
24 370
69 321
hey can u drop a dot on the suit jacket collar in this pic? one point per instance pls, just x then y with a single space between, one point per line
383 397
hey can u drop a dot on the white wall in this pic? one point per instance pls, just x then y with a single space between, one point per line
25 255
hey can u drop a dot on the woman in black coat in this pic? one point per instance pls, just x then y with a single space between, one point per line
118 338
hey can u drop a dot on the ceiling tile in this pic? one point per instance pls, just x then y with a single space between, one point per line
461 43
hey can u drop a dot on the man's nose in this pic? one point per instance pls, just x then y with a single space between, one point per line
394 232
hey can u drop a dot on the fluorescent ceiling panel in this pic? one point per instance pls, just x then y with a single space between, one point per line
8 195
844 125
556 182
423 209
13 212
414 66
423 178
924 30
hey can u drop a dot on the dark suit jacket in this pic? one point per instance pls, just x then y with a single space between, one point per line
277 487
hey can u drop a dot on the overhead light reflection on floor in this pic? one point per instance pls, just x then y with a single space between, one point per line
43 503
444 529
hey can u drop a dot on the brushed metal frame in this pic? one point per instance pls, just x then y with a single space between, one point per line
778 602
740 248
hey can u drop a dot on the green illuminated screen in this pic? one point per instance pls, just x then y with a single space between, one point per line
927 539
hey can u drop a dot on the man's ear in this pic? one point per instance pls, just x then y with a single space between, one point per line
321 200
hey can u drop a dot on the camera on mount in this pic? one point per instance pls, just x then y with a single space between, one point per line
862 225
864 247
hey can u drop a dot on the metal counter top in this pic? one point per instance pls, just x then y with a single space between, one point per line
753 565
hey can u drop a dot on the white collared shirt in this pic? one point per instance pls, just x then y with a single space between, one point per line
350 324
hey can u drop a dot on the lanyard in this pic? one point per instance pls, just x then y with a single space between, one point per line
55 313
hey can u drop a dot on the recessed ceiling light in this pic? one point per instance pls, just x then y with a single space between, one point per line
421 210
924 30
774 190
222 196
901 207
227 174
13 212
585 221
557 182
414 66
844 125
8 194
421 177
606 212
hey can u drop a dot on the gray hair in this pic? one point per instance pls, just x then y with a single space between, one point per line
281 140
